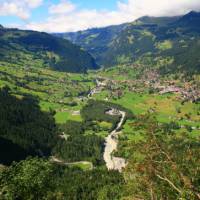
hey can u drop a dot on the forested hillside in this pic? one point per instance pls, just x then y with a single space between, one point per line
96 40
166 43
24 129
168 46
35 49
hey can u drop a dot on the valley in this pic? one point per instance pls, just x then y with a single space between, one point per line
94 140
121 122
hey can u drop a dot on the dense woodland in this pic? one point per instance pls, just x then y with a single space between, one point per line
28 135
26 130
51 182
24 127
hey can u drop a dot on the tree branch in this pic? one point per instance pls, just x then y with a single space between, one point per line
169 182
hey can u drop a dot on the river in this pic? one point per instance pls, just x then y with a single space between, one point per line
111 142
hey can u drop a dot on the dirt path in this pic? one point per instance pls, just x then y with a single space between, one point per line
111 143
58 161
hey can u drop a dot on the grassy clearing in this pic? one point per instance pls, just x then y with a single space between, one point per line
101 134
63 117
105 125
167 44
82 165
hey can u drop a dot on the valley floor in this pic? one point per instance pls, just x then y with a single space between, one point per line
106 120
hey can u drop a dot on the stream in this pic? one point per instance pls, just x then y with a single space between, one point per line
111 142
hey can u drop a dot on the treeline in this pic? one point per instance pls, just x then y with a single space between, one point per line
38 179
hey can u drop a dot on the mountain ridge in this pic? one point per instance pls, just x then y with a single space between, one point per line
148 38
96 38
44 50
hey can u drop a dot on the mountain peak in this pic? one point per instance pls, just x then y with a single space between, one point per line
190 19
193 15
160 21
1 27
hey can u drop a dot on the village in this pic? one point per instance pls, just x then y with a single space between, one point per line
152 82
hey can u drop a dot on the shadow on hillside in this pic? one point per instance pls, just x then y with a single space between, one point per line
25 130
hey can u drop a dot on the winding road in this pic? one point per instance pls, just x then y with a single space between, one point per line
111 142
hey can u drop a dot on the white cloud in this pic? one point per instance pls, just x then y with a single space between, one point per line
7 9
64 7
159 7
66 16
19 8
33 3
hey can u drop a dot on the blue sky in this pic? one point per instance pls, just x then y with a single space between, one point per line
42 11
73 15
97 4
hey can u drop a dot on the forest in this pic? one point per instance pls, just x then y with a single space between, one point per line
24 126
49 182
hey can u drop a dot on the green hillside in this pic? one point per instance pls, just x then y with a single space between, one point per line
166 43
95 41
168 46
35 49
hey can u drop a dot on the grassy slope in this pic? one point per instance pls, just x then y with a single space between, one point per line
95 41
164 111
35 49
152 43
55 90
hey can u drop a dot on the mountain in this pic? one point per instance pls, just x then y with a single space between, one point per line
95 40
156 20
191 19
169 46
169 43
37 49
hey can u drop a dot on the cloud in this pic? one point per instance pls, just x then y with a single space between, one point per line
66 16
64 7
19 8
159 8
33 3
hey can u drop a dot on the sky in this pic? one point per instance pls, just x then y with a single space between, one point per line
74 15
